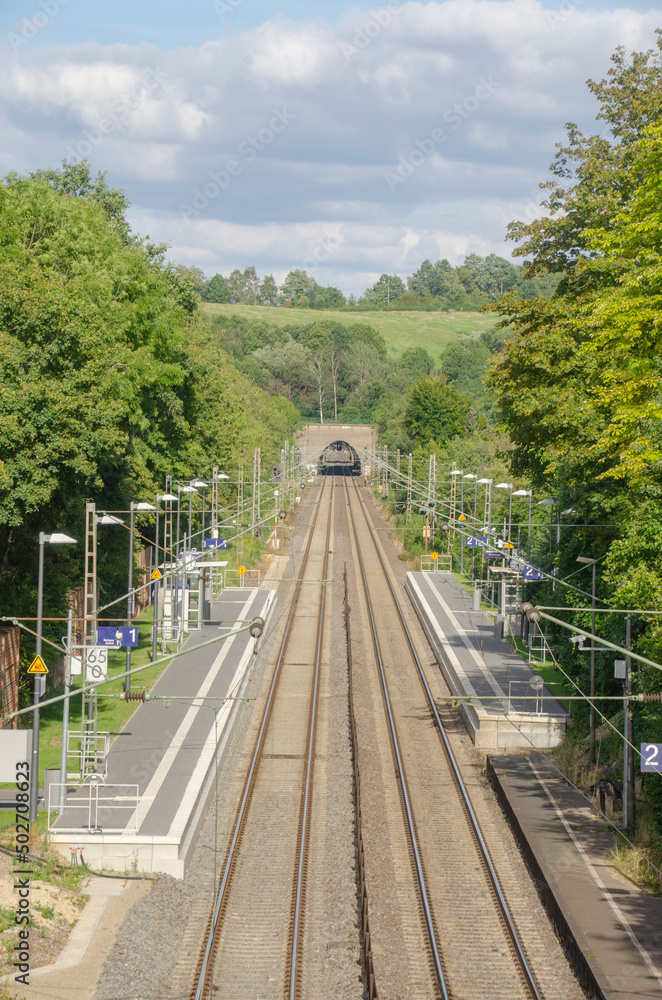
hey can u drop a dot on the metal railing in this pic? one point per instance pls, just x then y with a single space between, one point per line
89 751
443 564
234 579
95 807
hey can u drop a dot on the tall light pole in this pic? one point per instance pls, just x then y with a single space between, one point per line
168 497
591 738
551 503
55 539
507 486
529 494
130 610
200 484
488 500
459 472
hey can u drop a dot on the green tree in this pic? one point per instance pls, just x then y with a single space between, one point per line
217 290
436 410
268 291
297 283
416 361
386 290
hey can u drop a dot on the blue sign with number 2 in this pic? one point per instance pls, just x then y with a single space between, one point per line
651 756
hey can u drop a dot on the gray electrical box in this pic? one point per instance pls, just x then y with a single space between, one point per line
620 667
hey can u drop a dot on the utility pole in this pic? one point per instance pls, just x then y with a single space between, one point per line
628 750
255 511
167 563
90 626
65 715
239 544
409 485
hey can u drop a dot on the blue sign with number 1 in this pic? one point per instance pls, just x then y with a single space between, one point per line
651 756
107 635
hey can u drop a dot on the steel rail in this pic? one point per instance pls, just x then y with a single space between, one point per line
294 972
203 984
473 820
409 817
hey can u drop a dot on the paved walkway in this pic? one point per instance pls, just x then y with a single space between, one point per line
512 711
615 926
166 751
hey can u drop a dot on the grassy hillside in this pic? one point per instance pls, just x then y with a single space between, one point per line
431 330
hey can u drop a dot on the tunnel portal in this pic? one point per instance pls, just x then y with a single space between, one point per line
338 458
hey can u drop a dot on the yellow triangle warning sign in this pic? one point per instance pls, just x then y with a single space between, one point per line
509 545
462 517
156 574
37 666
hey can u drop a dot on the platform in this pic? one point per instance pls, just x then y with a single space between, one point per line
610 927
166 754
476 664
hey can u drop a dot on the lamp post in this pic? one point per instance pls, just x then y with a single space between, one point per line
200 484
529 494
507 486
130 610
488 501
168 497
459 472
55 539
551 503
591 738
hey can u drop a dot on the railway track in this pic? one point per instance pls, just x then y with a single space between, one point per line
457 909
254 940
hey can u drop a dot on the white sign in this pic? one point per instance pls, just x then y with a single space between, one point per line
76 666
15 745
96 664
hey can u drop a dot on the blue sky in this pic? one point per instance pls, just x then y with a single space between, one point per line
351 142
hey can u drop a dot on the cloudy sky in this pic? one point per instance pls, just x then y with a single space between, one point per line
342 139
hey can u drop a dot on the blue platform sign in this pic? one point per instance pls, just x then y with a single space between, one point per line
651 757
493 554
478 542
531 573
107 635
216 543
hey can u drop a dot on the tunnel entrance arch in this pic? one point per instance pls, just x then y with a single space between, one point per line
314 438
338 458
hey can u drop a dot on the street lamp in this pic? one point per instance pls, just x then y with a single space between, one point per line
130 610
488 498
200 484
169 498
551 502
529 494
591 739
507 486
180 490
55 539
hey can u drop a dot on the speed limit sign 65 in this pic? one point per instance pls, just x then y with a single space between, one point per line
96 664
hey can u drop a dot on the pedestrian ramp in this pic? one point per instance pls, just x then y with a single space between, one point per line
144 813
509 704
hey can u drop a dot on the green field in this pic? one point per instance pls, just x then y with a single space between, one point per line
431 330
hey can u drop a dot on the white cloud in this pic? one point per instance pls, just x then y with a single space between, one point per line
306 120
